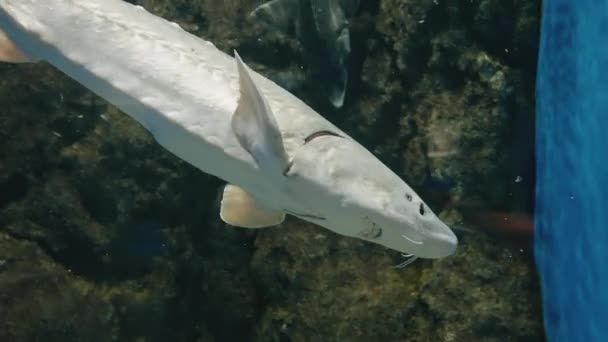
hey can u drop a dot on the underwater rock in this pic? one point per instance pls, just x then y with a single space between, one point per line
42 301
483 298
467 112
315 284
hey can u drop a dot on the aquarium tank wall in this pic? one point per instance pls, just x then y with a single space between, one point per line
291 170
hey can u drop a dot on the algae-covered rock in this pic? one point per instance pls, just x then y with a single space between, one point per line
470 106
106 236
43 301
485 293
319 287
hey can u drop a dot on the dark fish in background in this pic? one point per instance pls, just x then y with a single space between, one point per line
322 27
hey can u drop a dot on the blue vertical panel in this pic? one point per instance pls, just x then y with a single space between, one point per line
571 219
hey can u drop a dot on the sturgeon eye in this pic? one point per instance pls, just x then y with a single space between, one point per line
421 209
409 197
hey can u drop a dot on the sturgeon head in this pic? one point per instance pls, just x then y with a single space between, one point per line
352 193
329 180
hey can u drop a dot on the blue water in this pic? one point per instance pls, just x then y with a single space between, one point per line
571 237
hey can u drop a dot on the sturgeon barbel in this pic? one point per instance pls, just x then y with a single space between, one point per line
276 153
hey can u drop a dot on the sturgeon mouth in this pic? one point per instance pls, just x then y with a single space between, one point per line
412 240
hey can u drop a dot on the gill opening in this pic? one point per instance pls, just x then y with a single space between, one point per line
308 139
320 134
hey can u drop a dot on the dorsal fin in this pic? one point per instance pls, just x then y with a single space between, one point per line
255 126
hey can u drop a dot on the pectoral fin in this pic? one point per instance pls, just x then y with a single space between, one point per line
239 209
9 52
255 126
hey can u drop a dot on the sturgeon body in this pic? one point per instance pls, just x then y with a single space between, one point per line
278 155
